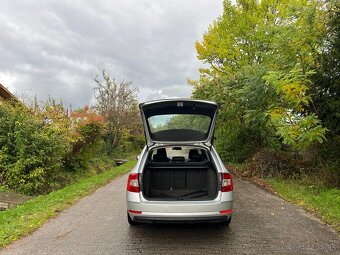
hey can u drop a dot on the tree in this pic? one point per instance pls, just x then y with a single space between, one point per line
325 89
260 56
117 101
89 125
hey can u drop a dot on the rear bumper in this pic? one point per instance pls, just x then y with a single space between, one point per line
180 212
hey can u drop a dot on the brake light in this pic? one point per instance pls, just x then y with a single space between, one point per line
227 182
226 211
135 212
133 183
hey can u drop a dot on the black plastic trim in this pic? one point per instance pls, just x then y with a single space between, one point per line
177 220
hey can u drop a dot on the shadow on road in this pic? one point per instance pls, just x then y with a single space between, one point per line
179 234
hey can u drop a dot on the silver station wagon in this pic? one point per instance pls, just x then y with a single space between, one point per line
179 176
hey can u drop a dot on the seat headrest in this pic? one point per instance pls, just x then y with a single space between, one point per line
178 159
192 153
197 158
160 156
161 152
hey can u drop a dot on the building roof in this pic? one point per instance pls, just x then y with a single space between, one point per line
6 94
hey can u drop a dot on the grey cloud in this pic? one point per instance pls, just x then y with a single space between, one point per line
57 47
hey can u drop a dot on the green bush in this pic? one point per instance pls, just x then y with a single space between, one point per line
43 149
31 150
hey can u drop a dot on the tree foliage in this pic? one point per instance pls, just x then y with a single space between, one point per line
32 150
325 89
117 101
260 57
41 145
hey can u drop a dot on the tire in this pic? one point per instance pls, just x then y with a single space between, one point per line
131 222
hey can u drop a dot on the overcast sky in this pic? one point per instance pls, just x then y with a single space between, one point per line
57 47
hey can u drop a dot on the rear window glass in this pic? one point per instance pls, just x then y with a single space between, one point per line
183 152
195 122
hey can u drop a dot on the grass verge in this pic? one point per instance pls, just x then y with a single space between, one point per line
320 200
25 218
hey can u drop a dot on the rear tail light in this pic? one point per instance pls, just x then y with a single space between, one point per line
227 182
133 183
226 211
135 212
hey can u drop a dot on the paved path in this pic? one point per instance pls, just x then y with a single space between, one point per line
262 224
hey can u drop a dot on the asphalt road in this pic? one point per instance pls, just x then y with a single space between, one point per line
262 224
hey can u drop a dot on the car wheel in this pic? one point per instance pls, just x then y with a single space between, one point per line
131 222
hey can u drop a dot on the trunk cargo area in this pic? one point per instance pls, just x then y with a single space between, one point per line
184 181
